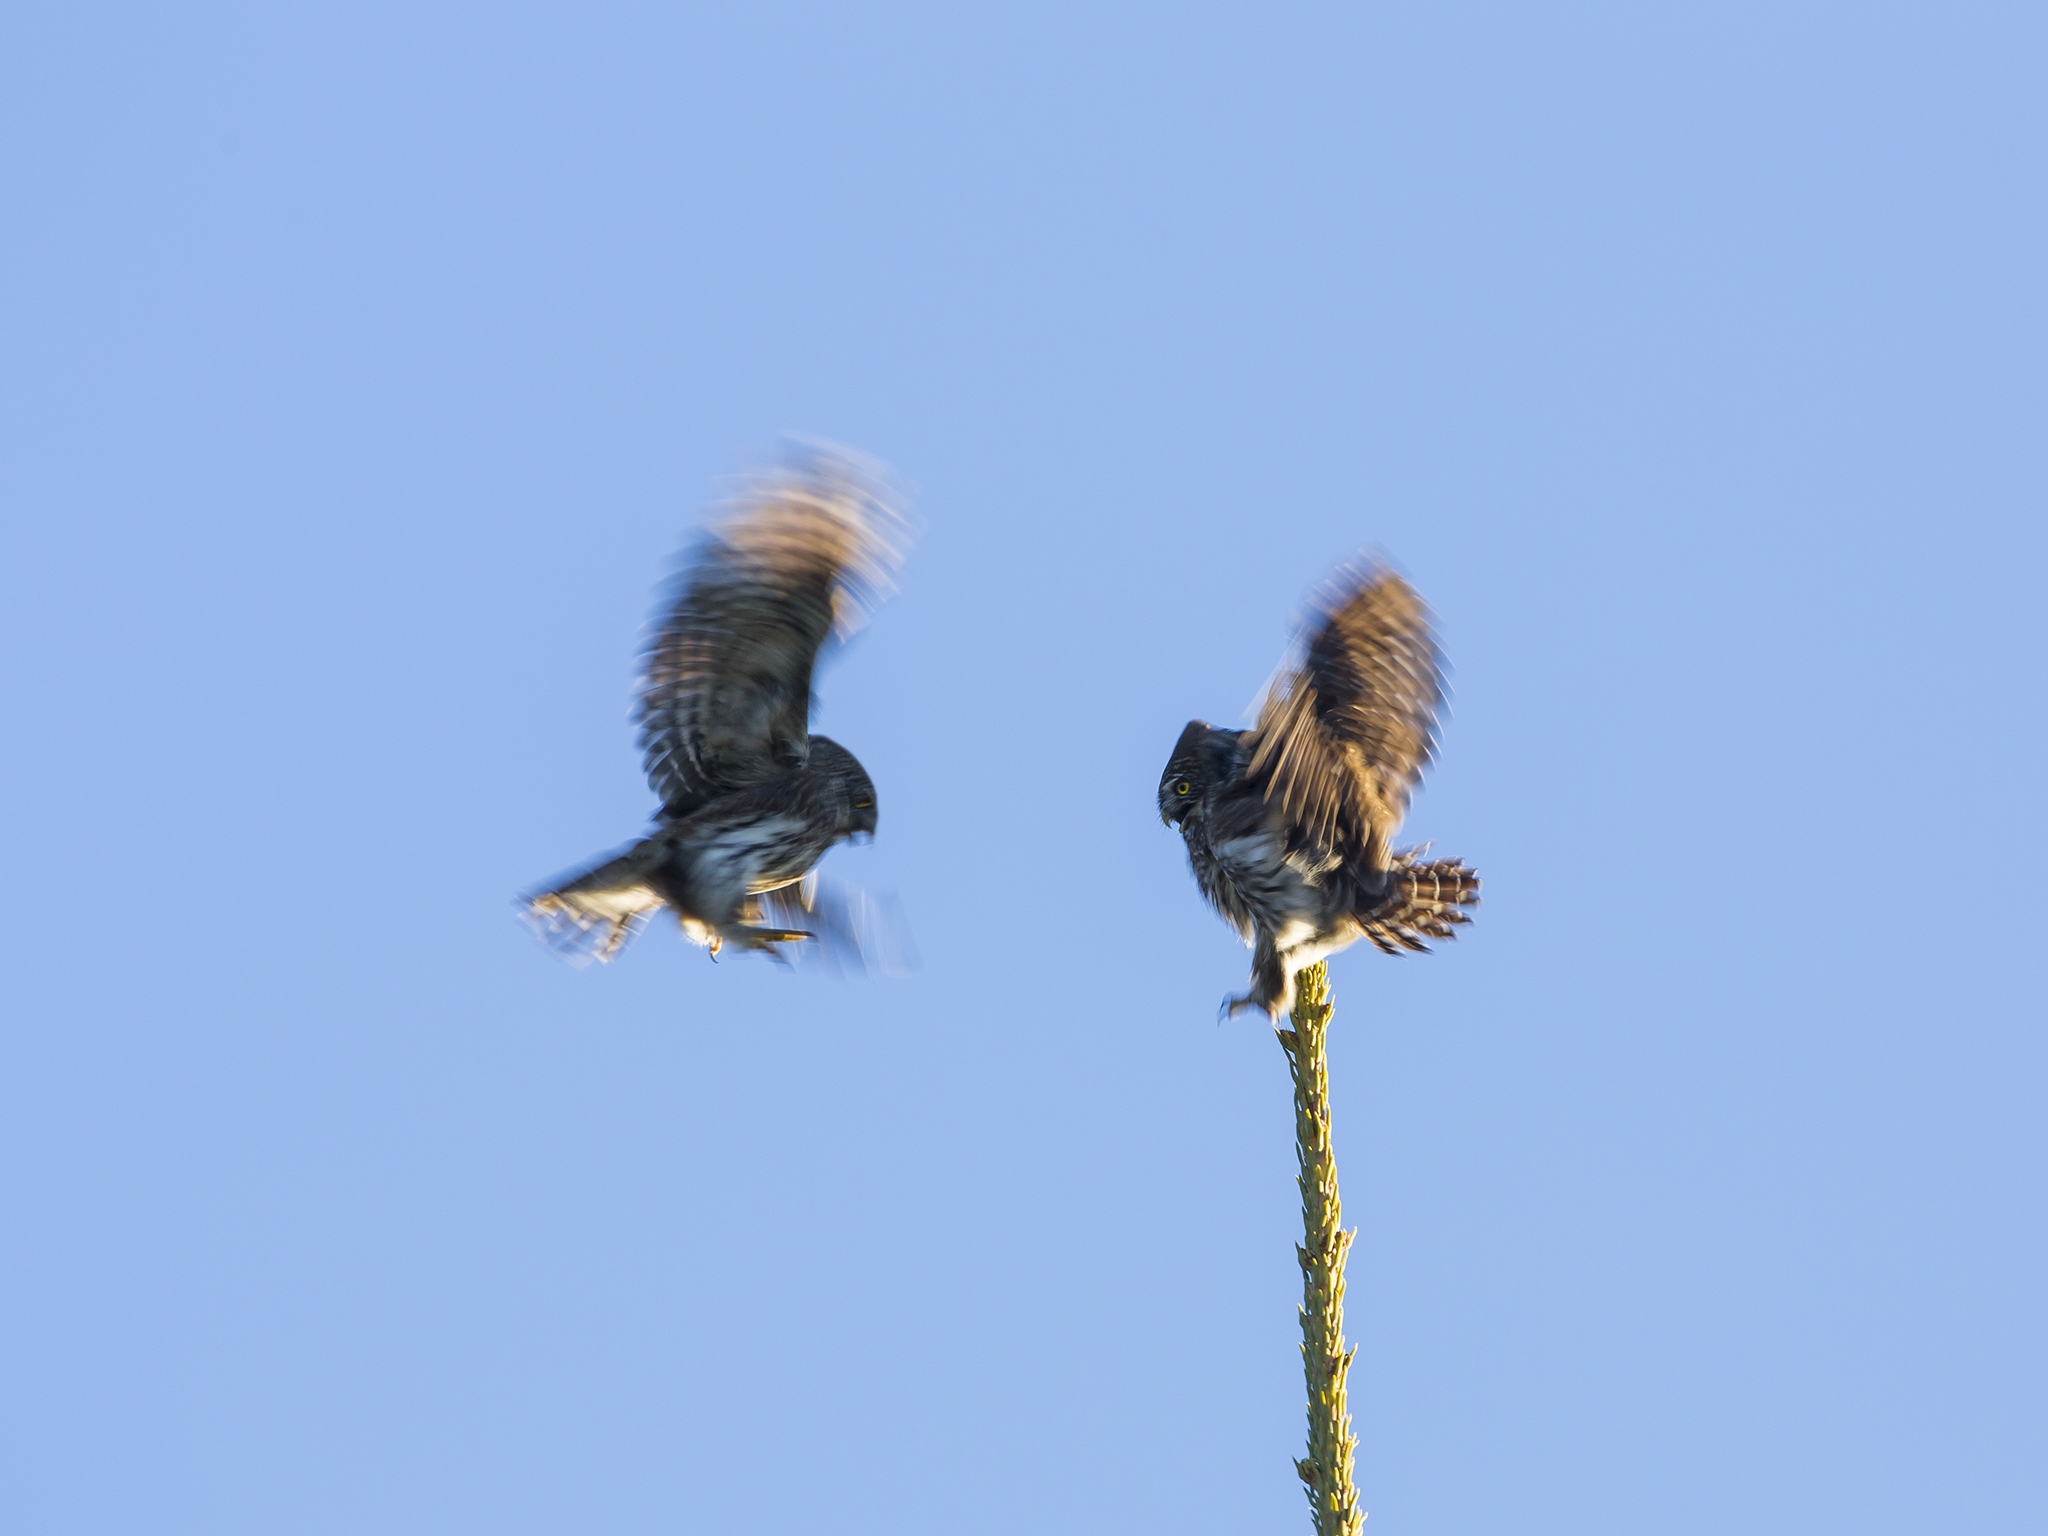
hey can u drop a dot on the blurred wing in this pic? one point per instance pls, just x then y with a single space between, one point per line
853 933
1343 737
725 690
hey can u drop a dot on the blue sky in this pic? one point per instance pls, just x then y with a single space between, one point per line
361 369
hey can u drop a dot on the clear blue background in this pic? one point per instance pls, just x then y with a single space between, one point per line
360 369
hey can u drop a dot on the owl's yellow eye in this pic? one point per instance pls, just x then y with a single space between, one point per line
1182 787
863 803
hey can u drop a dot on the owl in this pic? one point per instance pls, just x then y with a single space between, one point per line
1289 826
750 799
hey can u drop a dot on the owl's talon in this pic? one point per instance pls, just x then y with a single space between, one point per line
1247 1002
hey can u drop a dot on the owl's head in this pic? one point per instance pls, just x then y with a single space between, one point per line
853 790
1201 759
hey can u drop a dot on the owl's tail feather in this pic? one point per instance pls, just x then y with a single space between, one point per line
1427 901
578 935
594 914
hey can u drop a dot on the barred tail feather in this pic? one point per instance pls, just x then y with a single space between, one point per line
594 914
1427 901
578 935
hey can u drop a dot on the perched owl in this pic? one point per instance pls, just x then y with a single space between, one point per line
750 799
1290 825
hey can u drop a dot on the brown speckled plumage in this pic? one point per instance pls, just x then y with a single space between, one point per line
750 800
1289 826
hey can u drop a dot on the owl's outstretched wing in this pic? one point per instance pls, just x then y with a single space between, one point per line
725 687
1343 736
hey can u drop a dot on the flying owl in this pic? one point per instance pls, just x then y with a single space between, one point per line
1289 825
750 799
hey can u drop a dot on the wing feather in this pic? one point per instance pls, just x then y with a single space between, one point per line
725 687
1344 734
852 932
